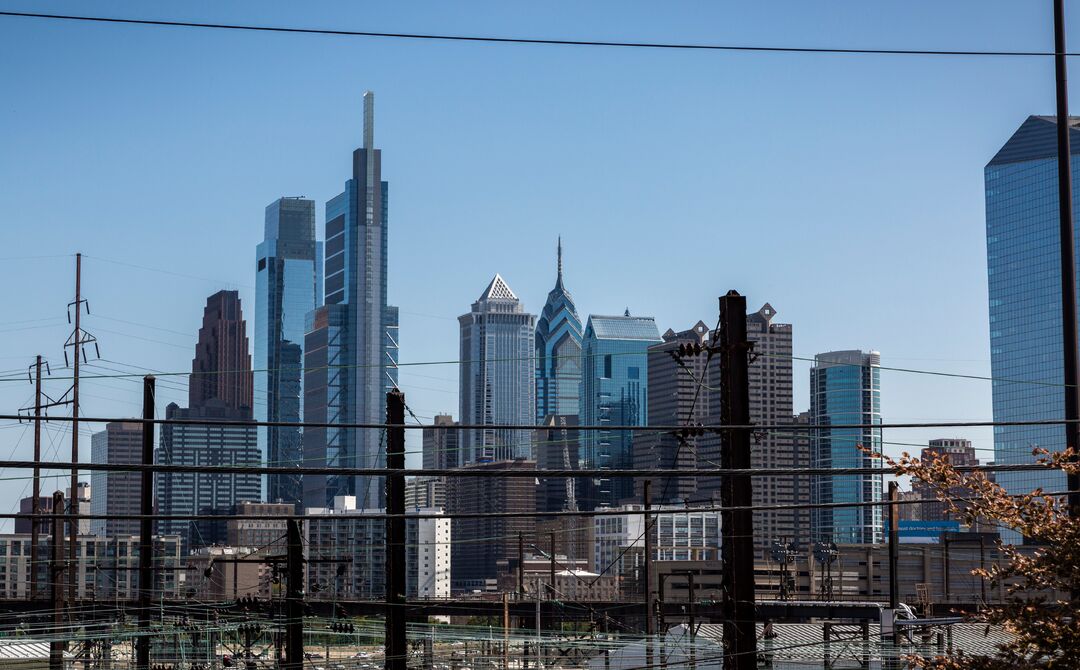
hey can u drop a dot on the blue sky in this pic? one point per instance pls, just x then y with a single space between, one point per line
846 191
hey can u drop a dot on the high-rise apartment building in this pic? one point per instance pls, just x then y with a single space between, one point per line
440 445
220 394
677 396
288 285
351 342
558 353
480 542
116 492
497 376
845 390
958 452
614 380
1023 266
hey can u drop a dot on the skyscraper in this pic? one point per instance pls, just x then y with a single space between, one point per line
351 343
558 352
116 492
497 375
614 380
220 391
845 389
1023 265
440 445
671 399
288 285
958 452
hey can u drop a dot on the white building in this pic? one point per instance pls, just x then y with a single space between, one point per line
679 534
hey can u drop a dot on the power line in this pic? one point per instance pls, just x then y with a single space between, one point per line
680 46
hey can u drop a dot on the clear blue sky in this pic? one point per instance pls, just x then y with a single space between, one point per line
847 191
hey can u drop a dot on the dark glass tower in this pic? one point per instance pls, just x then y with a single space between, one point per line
288 286
558 353
350 357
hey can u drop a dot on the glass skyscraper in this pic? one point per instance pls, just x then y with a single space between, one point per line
845 389
614 384
351 344
288 285
558 353
1023 266
497 376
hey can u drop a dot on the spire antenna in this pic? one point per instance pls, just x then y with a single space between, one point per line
369 120
560 257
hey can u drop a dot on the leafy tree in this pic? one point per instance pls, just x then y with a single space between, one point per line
1041 612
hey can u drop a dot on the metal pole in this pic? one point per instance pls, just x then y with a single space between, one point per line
894 546
35 530
56 581
1069 342
294 599
506 631
737 527
650 627
73 529
521 567
395 639
551 583
146 529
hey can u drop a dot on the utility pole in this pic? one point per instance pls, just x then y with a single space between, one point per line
650 627
1070 342
395 636
56 581
35 531
737 525
894 548
521 566
551 584
146 529
294 598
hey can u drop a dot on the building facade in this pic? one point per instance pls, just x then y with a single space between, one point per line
259 526
497 384
421 492
288 285
116 492
440 445
676 397
558 353
845 390
1023 266
351 344
614 383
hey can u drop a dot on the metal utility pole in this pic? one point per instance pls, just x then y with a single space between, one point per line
1070 342
146 529
35 531
294 598
395 637
650 625
56 581
737 525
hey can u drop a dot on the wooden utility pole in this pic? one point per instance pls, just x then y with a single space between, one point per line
35 508
146 529
395 635
56 582
73 503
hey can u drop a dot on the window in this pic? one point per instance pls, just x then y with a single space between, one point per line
633 373
607 366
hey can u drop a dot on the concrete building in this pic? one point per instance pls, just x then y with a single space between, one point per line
351 342
116 492
845 389
425 492
497 384
558 352
257 529
958 452
573 580
672 391
288 285
480 542
343 533
614 380
26 506
226 573
556 446
440 445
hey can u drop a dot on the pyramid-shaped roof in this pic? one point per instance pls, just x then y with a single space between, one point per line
1036 138
498 289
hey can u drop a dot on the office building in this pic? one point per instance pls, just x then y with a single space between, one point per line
845 390
221 432
558 352
116 492
614 383
423 492
480 542
351 342
958 452
260 525
677 396
556 445
26 506
497 384
1022 263
440 445
288 285
344 532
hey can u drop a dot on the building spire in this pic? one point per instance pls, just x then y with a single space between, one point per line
369 120
559 281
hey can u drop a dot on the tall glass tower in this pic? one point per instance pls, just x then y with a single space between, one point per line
351 344
497 346
845 389
288 285
1023 265
614 386
558 353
